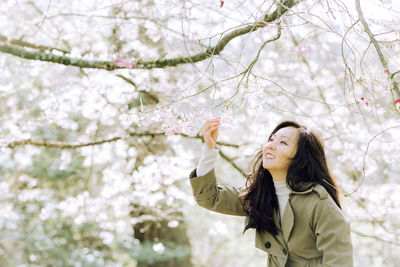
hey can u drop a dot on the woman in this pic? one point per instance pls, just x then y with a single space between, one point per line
291 199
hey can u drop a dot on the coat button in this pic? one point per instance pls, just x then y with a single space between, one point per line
267 244
285 251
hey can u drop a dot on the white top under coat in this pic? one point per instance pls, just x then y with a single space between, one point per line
282 192
207 163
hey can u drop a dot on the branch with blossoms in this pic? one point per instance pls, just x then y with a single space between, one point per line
380 54
75 146
19 50
64 145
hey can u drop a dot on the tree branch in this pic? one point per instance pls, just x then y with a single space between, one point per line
58 144
394 74
73 146
250 67
224 156
283 7
377 47
30 45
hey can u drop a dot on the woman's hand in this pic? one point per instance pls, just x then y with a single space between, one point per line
210 132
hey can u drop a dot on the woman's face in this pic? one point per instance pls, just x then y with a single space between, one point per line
280 148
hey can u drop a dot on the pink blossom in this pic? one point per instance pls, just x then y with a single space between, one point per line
125 63
195 35
303 49
172 130
397 104
386 84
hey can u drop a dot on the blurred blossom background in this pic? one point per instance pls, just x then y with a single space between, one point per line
101 103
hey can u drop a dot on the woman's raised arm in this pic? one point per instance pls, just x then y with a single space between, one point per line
206 191
208 194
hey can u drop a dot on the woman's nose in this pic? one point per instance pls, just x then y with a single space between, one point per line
269 146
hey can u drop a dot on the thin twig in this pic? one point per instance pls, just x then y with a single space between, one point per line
366 152
377 47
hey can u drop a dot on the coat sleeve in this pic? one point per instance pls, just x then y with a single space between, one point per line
210 195
332 234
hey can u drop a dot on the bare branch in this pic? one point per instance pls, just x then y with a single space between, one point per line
127 80
394 74
30 45
65 60
58 144
228 159
248 70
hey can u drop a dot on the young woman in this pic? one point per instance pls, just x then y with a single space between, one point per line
290 198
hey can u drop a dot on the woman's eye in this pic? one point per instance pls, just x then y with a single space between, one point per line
283 142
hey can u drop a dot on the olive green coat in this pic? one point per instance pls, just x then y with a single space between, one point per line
314 231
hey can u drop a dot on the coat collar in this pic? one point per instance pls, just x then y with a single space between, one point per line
310 189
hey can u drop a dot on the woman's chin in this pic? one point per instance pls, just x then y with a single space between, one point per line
268 166
265 165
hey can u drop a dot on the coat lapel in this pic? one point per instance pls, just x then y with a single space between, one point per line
288 216
279 236
284 228
287 221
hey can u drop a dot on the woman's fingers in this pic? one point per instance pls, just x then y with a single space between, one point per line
213 120
210 137
210 128
210 131
209 123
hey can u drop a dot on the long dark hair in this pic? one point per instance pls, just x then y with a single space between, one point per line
308 168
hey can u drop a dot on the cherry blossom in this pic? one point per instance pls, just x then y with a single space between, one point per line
397 104
303 49
125 63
